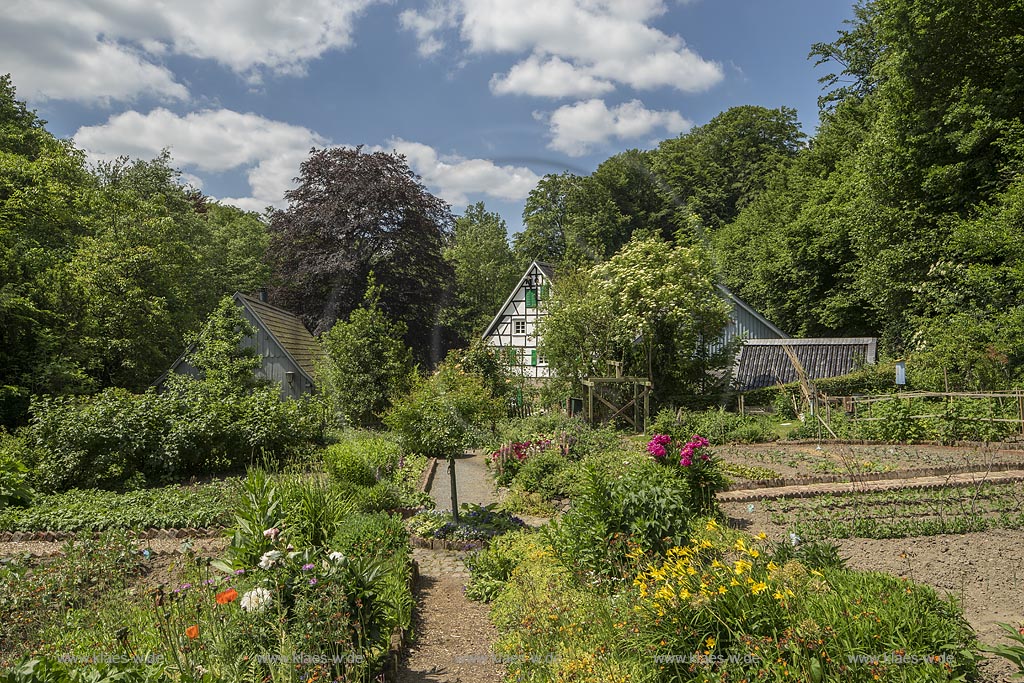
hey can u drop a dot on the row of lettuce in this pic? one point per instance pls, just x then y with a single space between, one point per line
642 580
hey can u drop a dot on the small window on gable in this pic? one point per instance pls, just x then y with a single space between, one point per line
541 358
519 327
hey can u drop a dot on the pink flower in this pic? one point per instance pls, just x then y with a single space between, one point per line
686 460
656 449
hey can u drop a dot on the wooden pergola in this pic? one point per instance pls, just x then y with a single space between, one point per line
630 410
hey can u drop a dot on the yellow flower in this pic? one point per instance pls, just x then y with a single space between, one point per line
753 552
740 545
710 642
741 566
772 566
711 525
723 590
763 536
758 587
734 582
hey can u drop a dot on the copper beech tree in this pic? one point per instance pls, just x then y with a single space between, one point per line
355 212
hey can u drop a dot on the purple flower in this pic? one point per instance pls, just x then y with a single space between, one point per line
239 571
312 582
307 567
185 586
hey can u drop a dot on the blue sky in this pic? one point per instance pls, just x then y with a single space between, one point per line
482 96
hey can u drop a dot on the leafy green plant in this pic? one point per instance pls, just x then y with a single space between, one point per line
258 519
200 505
14 488
490 568
1012 653
313 509
475 523
347 462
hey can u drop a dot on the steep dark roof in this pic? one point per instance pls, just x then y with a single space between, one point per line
547 269
764 362
288 330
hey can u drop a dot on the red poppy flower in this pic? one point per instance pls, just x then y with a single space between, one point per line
224 597
192 632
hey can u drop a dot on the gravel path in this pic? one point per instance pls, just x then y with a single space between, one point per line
473 482
453 635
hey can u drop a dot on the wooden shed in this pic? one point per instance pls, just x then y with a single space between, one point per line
764 362
288 351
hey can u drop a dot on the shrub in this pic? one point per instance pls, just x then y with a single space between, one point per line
347 462
373 534
14 487
491 567
539 474
649 507
724 595
718 426
443 415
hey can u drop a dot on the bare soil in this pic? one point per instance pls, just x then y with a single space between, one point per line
795 460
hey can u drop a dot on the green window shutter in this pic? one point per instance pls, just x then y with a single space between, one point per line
545 291
531 298
533 357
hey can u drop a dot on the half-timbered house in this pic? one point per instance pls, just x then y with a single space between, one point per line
514 328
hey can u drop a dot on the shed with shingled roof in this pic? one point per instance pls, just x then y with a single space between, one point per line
764 362
288 352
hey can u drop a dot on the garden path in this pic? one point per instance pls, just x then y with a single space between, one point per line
453 634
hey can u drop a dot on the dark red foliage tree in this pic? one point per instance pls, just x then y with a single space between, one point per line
353 213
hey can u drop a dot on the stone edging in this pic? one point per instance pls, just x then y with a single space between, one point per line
753 485
445 544
753 495
145 534
428 475
994 445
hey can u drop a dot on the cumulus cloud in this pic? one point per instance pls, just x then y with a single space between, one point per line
454 178
590 44
102 50
269 153
553 77
576 128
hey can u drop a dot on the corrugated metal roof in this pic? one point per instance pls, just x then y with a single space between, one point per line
288 330
764 362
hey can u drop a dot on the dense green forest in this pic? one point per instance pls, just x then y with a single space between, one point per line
900 217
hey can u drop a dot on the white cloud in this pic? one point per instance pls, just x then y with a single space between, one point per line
270 153
426 25
102 50
551 78
576 128
591 43
453 177
213 140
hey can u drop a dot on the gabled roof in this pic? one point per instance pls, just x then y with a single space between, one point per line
288 331
740 303
285 328
546 269
764 362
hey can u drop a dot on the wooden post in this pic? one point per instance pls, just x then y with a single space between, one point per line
1020 410
647 406
590 404
455 494
741 404
636 408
